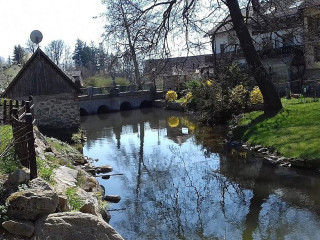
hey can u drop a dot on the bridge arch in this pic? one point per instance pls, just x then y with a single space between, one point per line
83 112
145 104
125 106
103 109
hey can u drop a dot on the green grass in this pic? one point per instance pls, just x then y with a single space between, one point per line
74 199
5 136
9 162
101 81
294 132
45 170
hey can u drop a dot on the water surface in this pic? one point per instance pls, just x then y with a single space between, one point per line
180 182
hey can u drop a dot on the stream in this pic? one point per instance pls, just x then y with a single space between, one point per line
180 182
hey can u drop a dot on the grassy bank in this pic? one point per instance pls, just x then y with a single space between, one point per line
294 132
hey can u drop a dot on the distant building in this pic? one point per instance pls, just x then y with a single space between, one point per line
76 77
169 73
54 92
286 36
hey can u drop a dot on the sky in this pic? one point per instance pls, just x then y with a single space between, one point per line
56 19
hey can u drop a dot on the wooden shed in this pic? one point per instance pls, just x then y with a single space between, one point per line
55 94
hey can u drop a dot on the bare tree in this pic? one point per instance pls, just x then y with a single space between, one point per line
55 50
128 31
67 58
178 16
31 47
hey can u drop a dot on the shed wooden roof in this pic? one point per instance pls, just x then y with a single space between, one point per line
40 76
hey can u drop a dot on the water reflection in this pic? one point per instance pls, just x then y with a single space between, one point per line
180 183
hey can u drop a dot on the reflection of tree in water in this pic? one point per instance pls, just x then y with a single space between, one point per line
172 200
200 192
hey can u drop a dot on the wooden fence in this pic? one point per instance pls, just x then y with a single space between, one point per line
19 115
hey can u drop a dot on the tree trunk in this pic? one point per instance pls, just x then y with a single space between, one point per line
272 102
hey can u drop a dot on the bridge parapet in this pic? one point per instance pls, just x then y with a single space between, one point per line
115 91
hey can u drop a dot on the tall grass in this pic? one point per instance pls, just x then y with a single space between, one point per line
9 161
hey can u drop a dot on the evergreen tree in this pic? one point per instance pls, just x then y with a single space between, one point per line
18 54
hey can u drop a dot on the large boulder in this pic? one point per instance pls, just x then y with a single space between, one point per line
91 204
65 177
39 184
19 227
73 225
18 177
31 203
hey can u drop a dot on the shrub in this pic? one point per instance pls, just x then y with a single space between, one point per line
193 84
171 96
256 96
187 99
239 97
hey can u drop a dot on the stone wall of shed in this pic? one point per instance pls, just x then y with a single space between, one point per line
57 111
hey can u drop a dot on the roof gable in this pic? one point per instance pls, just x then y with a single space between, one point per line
40 76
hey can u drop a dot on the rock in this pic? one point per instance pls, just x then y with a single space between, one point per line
257 147
91 204
63 205
105 215
40 184
112 198
29 204
64 177
89 207
73 225
86 181
18 227
102 190
18 177
104 169
92 171
269 159
261 150
48 149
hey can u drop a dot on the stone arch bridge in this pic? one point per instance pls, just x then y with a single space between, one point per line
104 100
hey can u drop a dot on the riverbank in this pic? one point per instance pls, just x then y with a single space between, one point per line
64 202
293 133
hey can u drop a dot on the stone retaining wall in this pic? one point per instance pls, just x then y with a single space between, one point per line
57 111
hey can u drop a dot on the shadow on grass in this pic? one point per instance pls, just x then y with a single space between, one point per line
240 130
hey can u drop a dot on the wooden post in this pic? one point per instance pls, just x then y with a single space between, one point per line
10 108
28 107
4 110
17 104
14 112
31 150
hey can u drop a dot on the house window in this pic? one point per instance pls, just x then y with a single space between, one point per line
232 39
287 40
222 48
266 43
316 51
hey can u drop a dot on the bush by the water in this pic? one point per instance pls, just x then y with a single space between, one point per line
256 96
171 96
217 100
